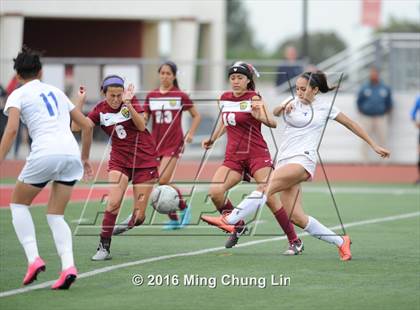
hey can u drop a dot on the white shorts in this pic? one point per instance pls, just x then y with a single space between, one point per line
52 168
308 164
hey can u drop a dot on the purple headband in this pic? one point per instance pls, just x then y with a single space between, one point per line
113 81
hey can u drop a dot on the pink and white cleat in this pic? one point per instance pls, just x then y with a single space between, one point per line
33 269
67 277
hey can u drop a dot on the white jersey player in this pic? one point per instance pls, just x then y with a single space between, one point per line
306 118
54 156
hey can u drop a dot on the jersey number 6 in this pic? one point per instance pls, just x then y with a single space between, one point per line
121 133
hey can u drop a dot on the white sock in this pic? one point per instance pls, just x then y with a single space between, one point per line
62 238
25 230
316 229
248 206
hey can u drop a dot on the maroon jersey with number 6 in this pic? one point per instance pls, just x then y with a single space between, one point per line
131 147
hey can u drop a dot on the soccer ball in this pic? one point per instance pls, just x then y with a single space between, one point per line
165 199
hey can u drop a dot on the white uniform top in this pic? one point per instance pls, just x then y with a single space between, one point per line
304 127
46 112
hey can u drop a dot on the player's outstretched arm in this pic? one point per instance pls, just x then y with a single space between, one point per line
86 125
360 132
196 119
10 132
259 112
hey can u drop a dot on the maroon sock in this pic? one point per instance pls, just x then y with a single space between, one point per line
286 224
182 203
227 207
173 216
108 224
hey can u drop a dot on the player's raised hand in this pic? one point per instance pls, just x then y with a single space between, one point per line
81 97
82 93
129 93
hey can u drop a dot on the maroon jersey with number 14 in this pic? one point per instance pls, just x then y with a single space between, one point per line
244 137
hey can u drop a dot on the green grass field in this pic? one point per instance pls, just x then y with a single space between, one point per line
384 273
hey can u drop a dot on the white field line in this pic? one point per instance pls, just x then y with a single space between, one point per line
197 252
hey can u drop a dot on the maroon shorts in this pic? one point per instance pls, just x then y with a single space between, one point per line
137 175
248 167
171 152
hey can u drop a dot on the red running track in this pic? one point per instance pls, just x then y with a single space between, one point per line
187 171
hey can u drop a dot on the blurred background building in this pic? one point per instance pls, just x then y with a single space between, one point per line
83 41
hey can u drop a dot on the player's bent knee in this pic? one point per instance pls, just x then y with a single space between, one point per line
298 220
216 192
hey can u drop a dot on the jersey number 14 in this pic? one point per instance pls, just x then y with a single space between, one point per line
229 119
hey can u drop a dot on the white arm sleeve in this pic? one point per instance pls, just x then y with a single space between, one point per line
334 112
14 100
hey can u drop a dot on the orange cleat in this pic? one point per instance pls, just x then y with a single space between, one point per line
219 221
344 250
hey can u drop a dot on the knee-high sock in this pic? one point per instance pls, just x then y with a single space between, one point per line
316 229
62 237
247 207
25 230
286 224
108 224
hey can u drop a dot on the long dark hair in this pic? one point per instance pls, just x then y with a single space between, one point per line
318 79
173 68
27 63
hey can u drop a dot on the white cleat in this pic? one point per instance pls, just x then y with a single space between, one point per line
122 227
101 254
295 248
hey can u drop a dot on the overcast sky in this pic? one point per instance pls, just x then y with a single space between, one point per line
273 21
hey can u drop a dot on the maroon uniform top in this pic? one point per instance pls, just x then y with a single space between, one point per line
244 138
131 147
166 113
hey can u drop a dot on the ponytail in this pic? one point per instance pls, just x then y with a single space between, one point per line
318 79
